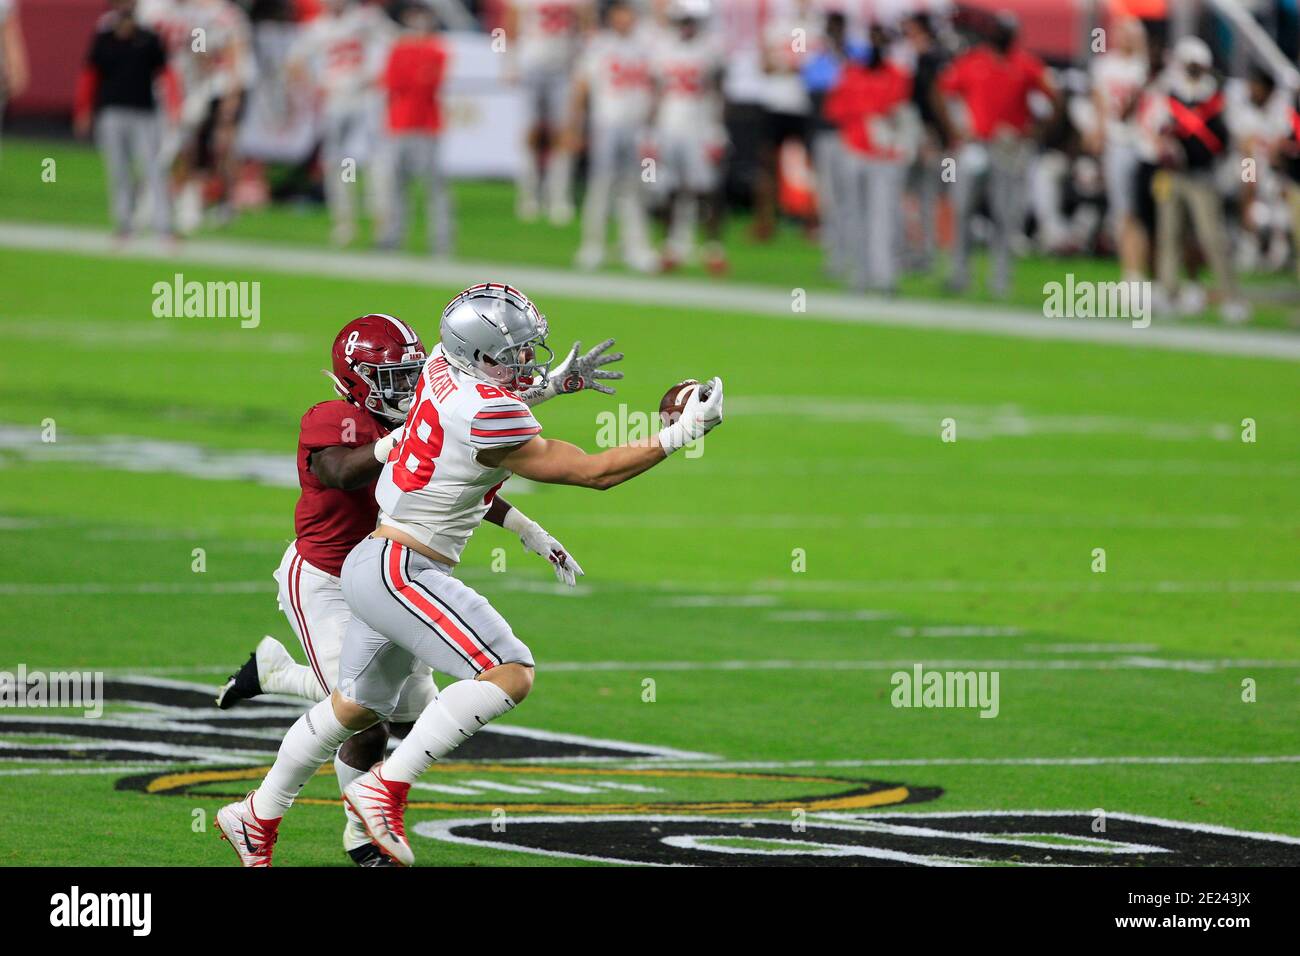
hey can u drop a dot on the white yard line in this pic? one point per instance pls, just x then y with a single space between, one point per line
695 294
1100 761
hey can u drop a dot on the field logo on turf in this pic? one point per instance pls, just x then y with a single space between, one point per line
74 909
78 690
1081 299
921 688
181 299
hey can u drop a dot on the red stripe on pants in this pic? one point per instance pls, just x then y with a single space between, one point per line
439 620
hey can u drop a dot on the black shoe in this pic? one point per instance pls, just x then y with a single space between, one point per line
369 855
242 685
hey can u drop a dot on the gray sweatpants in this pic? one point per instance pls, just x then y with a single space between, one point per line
996 169
407 608
130 142
830 167
872 199
615 177
404 158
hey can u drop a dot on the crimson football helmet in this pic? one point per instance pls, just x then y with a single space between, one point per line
377 360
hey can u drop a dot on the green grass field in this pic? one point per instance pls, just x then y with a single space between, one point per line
1120 690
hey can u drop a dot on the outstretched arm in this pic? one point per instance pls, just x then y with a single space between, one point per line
560 463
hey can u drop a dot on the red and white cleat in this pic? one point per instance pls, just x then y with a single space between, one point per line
252 837
381 805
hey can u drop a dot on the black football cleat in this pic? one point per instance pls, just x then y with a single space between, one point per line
370 855
242 685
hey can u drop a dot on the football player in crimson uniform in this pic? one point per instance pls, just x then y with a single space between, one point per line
467 431
341 450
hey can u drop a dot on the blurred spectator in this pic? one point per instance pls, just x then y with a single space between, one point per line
871 105
925 173
821 73
339 55
613 87
785 103
1195 136
690 139
547 37
1118 78
995 81
1255 112
209 52
1289 154
411 150
116 93
13 55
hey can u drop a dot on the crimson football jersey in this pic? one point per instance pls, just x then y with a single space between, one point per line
330 521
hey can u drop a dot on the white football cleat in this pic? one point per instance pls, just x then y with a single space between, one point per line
381 805
252 838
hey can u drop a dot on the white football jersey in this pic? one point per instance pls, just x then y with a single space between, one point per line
1120 79
345 54
549 32
433 487
617 71
686 73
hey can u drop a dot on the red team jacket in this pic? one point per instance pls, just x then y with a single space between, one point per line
995 88
330 521
861 94
413 78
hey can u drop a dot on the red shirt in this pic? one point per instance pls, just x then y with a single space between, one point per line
330 521
996 88
861 94
413 78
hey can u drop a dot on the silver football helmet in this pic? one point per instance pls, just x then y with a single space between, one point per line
493 332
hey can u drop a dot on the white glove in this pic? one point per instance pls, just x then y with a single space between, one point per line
537 540
576 373
384 445
699 417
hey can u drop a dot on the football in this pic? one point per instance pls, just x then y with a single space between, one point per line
674 400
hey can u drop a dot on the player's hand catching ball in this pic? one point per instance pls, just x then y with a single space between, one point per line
539 541
700 413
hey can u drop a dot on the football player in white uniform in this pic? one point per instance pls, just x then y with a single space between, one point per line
340 54
613 85
547 37
467 431
690 137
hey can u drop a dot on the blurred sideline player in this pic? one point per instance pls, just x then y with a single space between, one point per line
339 54
467 431
785 100
613 86
995 80
547 37
1118 78
689 134
871 104
209 47
14 73
411 149
342 445
117 94
820 74
1194 139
